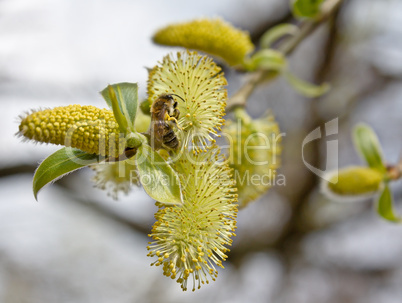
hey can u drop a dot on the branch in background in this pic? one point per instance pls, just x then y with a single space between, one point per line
96 207
296 228
69 191
287 47
17 169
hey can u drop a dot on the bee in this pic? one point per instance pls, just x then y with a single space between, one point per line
164 115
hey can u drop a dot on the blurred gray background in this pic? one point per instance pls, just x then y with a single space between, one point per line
293 245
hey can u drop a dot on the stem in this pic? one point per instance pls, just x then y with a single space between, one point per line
395 171
286 47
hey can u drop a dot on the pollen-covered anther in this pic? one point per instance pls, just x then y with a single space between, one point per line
204 96
187 234
260 160
116 177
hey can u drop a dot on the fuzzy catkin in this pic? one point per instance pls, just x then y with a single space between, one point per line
201 85
213 36
88 128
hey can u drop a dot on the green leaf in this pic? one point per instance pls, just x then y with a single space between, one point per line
384 206
277 32
267 59
306 8
123 99
157 177
63 161
305 88
117 112
367 144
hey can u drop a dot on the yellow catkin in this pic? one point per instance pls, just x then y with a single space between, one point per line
200 84
116 177
254 154
213 36
88 128
191 240
356 180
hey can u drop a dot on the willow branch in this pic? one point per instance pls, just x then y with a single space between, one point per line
286 47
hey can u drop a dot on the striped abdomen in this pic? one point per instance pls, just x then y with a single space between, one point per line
169 138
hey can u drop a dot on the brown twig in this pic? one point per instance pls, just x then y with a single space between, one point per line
288 240
287 47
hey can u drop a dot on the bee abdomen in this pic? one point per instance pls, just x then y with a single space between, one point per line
170 139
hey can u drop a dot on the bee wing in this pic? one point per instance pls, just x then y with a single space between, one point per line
157 130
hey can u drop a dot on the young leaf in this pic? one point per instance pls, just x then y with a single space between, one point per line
267 59
117 112
277 32
306 8
157 177
367 144
306 89
384 206
63 161
123 99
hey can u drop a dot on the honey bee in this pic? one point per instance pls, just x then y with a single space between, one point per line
164 115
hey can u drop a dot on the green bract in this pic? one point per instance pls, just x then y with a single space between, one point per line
384 206
304 88
306 8
122 98
276 33
60 163
159 180
267 59
367 144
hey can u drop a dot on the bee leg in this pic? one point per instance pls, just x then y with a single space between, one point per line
176 122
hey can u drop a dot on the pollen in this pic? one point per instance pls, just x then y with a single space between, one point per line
213 36
201 84
193 236
254 154
116 177
88 128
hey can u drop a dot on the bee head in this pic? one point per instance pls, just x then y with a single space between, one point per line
170 100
